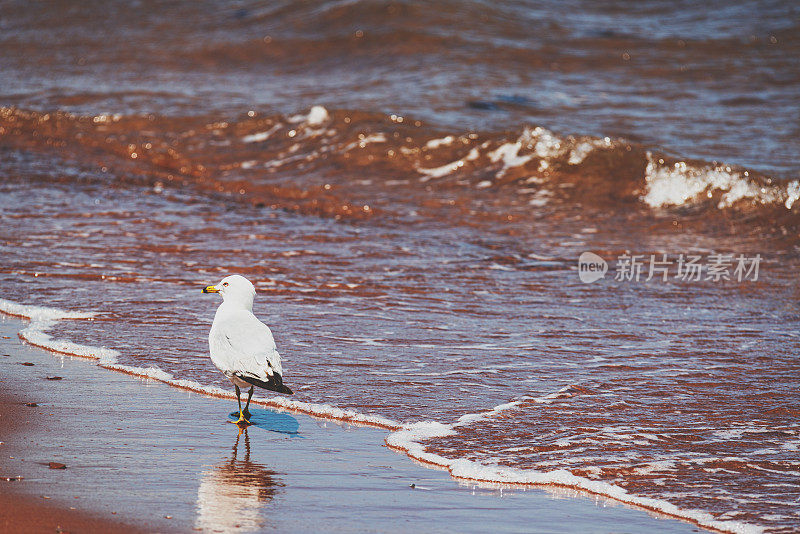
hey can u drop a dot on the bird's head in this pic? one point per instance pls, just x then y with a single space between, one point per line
234 289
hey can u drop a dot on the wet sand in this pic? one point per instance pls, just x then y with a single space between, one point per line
26 514
161 459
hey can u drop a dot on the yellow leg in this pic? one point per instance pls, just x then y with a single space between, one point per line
242 421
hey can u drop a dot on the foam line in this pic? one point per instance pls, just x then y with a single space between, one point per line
468 419
42 319
39 313
407 438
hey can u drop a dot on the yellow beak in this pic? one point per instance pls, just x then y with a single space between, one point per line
210 289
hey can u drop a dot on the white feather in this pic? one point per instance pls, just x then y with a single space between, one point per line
239 343
242 344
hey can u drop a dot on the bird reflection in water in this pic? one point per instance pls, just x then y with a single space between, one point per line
232 493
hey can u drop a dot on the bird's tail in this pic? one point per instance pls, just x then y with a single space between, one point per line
274 383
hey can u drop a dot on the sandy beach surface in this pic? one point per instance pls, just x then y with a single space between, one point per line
142 455
19 513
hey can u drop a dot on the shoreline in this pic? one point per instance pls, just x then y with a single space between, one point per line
364 442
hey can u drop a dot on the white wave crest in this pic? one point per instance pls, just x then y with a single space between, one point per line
792 194
316 116
447 168
261 136
584 148
433 144
680 183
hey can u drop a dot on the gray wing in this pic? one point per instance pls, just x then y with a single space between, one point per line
243 345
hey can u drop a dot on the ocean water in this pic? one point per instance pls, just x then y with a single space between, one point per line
410 185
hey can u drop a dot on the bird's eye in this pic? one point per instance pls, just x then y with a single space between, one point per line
225 283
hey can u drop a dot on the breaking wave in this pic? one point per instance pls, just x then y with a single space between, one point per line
353 165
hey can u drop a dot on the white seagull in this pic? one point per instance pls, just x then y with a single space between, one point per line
241 346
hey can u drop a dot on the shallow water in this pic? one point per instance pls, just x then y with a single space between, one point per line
415 241
187 470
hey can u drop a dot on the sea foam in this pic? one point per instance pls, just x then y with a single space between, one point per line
406 437
42 319
681 184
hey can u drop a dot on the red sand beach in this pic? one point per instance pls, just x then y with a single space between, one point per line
32 514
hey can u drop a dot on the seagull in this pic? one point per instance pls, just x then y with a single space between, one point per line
241 346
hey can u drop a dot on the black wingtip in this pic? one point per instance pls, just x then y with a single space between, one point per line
275 383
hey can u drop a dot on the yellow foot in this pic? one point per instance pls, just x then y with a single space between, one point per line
242 421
